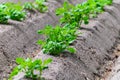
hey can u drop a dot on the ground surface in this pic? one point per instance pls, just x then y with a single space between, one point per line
93 45
114 70
112 67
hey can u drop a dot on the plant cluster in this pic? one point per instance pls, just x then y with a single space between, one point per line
28 66
81 12
59 38
11 11
38 5
16 11
3 14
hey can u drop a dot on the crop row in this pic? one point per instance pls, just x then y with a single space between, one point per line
17 11
59 38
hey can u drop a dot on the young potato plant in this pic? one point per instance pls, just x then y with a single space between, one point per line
73 14
3 14
65 13
102 3
11 11
38 5
28 6
28 66
81 13
15 11
57 39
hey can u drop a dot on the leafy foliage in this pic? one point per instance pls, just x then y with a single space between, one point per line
11 11
15 11
57 39
28 67
3 14
28 6
81 12
38 5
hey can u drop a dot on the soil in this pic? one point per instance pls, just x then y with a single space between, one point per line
94 46
113 66
110 66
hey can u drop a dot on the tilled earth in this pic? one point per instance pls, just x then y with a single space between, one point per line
112 71
112 68
90 41
115 70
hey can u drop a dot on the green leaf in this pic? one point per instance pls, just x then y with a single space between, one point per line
40 42
47 61
40 31
28 6
13 73
28 60
20 60
71 50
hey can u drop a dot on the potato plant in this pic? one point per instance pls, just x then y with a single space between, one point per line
28 66
40 6
37 4
81 12
28 6
15 11
3 14
11 11
57 39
